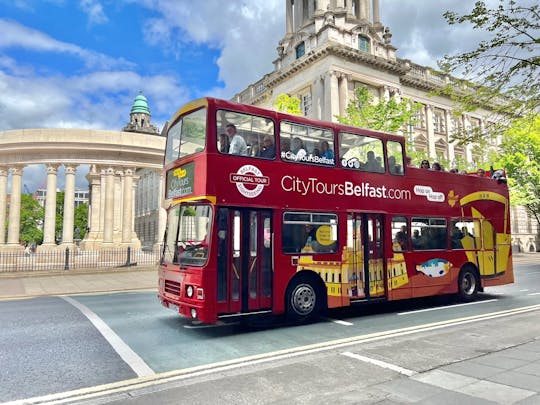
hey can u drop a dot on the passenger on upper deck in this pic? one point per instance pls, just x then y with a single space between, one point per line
424 164
238 144
372 165
392 166
481 172
224 143
437 167
325 150
298 149
254 149
268 149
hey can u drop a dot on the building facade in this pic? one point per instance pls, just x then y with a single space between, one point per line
331 47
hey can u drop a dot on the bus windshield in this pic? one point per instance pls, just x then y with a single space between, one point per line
187 136
188 236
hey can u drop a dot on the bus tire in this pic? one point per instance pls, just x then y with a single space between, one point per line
304 300
468 284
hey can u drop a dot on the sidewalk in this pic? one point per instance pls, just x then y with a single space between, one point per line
19 285
13 285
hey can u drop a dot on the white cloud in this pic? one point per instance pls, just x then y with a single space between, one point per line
94 10
15 35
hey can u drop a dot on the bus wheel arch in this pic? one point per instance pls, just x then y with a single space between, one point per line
305 297
468 283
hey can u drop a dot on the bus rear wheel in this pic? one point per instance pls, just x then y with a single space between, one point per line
468 284
304 301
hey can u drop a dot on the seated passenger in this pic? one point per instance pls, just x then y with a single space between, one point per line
298 149
223 143
269 149
425 164
286 149
253 148
437 167
372 165
238 145
392 166
326 152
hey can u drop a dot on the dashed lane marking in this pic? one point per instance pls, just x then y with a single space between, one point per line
380 363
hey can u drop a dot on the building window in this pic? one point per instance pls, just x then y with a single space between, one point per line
420 118
300 50
306 103
363 43
439 121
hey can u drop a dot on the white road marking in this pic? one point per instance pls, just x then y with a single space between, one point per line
538 293
338 321
212 368
446 307
524 290
124 351
380 363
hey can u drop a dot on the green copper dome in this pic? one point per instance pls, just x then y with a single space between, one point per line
140 105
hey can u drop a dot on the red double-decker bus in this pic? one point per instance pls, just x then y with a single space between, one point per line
273 213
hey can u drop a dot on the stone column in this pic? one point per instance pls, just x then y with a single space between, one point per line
108 226
376 12
118 207
430 132
331 96
127 221
50 207
14 226
69 205
288 18
95 208
364 10
3 203
343 93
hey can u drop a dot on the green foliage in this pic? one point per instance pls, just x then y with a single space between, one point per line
81 221
59 221
520 156
287 104
385 115
504 67
32 216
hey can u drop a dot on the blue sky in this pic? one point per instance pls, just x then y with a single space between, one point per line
80 63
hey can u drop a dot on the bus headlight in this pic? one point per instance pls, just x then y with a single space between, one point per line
190 291
193 313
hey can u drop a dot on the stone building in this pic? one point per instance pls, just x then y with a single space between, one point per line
331 47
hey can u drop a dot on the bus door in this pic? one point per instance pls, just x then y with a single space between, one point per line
244 260
365 255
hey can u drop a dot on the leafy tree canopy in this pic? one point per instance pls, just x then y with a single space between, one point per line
504 67
287 104
520 156
32 215
385 115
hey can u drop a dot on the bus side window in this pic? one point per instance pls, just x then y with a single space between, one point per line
395 157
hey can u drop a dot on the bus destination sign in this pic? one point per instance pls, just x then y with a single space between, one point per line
180 181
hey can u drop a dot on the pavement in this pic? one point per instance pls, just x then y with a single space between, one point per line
508 376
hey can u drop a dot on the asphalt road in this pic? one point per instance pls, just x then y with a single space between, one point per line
57 344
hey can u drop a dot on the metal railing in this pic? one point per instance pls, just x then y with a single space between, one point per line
74 259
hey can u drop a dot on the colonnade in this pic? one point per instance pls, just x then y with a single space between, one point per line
111 211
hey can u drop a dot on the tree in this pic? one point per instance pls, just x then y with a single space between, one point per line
59 220
504 67
32 215
385 115
81 220
287 104
520 156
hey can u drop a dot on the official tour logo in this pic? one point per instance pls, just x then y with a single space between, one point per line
249 181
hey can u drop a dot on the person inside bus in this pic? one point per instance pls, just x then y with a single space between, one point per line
481 172
372 164
408 161
298 149
325 151
224 143
238 145
401 240
253 147
285 148
269 149
425 164
437 167
392 166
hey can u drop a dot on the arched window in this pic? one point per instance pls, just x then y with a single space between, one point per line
300 50
363 43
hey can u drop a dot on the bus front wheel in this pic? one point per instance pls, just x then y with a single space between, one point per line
468 284
304 300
